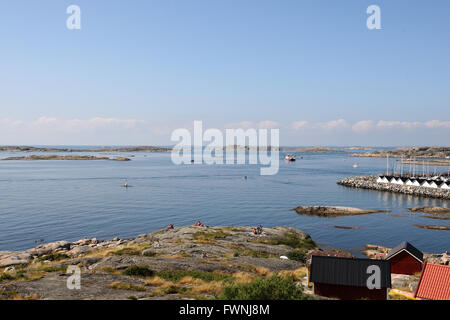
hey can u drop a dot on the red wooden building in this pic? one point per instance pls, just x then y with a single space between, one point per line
405 259
346 278
434 282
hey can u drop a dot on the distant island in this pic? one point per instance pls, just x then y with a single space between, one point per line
105 149
56 157
408 153
428 162
317 149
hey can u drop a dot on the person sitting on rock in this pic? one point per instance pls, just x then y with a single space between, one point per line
170 227
199 224
259 229
254 231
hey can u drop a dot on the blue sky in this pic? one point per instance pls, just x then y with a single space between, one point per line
139 69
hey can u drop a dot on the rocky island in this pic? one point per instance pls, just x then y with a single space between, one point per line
432 210
333 211
105 149
57 157
408 153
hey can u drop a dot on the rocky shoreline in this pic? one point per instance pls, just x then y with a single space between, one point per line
369 182
408 153
191 262
56 157
105 149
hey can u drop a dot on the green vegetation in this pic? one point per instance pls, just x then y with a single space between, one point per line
138 271
176 275
297 255
209 236
293 240
172 289
6 276
272 288
19 274
127 252
149 253
55 269
53 257
126 286
252 253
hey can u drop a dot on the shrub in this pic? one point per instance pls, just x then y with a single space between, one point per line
293 240
138 271
5 276
272 288
172 289
208 236
297 255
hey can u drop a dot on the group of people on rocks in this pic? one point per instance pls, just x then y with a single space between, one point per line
258 230
196 224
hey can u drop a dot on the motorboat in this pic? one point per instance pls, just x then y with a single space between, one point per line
290 157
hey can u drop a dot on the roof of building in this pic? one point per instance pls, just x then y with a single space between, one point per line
348 271
407 247
434 283
326 253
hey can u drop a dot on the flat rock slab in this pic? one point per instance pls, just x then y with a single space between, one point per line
333 211
94 286
433 210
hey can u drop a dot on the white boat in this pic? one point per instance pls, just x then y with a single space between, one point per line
290 157
355 165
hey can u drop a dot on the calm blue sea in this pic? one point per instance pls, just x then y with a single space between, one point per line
69 200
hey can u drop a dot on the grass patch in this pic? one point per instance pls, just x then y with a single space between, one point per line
6 277
155 281
297 255
126 252
53 257
210 236
251 253
296 274
295 241
149 253
243 277
55 269
126 286
138 271
272 288
212 288
177 275
172 289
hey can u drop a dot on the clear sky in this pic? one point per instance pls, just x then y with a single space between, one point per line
139 69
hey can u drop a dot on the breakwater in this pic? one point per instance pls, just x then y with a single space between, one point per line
370 182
